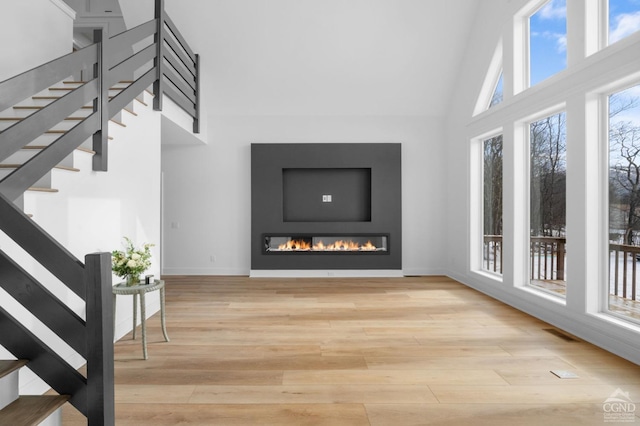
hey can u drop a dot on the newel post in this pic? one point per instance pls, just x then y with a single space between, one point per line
101 104
99 319
158 38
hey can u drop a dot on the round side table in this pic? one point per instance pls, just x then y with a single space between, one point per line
141 289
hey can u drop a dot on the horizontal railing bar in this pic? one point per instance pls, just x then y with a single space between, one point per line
43 361
40 164
179 68
22 86
28 129
178 36
42 304
623 274
170 46
179 84
548 239
179 99
117 47
123 98
624 247
41 246
131 64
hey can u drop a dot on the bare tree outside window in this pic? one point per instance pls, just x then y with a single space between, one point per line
624 172
548 194
492 208
624 201
548 176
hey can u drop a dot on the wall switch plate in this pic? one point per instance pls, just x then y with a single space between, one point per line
326 198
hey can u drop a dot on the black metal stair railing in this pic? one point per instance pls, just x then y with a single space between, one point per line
165 62
92 337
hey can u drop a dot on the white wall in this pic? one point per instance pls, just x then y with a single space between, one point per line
91 213
33 32
581 312
207 188
284 71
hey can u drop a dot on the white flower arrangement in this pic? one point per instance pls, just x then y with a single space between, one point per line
131 262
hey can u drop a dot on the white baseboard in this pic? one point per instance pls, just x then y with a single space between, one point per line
326 273
205 271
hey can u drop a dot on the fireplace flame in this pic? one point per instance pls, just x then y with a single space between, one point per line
341 245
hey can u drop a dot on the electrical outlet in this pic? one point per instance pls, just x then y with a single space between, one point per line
327 198
212 258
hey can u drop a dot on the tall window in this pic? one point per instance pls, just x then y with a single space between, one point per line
547 216
624 19
492 201
624 201
547 41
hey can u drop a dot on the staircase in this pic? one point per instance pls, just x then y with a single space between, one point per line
49 120
43 410
38 102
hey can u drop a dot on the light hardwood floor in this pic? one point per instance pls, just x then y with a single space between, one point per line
405 351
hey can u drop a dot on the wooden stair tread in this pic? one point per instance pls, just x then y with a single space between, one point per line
80 148
87 150
39 189
31 409
9 366
22 118
58 167
67 168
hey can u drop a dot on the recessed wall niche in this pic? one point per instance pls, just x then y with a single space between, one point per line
346 194
326 195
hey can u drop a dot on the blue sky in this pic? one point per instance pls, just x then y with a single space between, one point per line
548 41
624 18
548 34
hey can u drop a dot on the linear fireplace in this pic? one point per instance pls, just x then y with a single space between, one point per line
326 244
326 207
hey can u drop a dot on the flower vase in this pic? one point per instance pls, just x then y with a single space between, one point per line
132 280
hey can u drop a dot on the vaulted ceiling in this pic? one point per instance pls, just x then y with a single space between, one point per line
323 57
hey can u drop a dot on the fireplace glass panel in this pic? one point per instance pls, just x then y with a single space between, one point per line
326 243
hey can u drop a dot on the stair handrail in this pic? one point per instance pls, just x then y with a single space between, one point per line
93 396
175 73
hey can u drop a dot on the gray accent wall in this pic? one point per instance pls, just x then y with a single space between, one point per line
288 183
